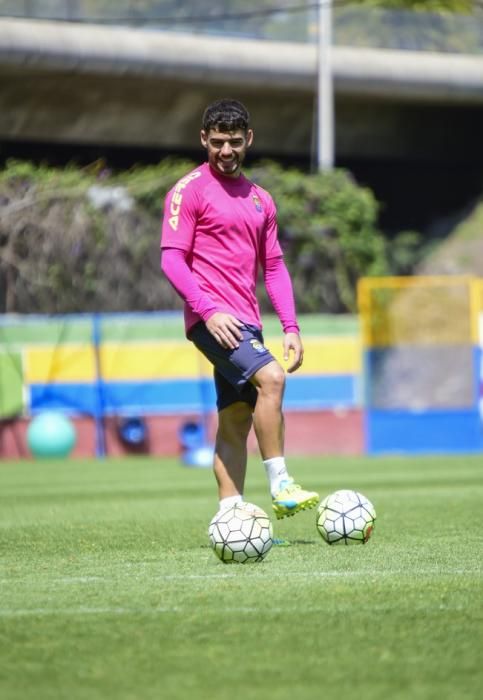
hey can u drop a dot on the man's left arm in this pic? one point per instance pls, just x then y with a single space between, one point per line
280 291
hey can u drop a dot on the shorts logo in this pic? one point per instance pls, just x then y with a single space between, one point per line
257 202
177 199
257 345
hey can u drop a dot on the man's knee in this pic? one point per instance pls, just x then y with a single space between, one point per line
270 379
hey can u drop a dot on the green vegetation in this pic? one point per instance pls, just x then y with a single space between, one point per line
459 252
109 588
166 8
451 26
388 23
328 227
420 5
86 239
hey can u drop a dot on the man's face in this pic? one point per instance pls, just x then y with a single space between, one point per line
227 149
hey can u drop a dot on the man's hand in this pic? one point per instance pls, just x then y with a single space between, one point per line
225 329
292 343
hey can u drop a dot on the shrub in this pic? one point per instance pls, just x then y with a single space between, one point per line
83 239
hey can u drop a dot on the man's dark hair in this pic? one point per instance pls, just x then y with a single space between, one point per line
225 115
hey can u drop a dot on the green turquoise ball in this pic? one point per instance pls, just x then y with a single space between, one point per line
51 434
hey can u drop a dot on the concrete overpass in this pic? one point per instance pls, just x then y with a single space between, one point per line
69 83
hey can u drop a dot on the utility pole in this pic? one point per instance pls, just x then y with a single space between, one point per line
325 89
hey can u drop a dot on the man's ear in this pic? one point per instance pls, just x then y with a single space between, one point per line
249 137
204 138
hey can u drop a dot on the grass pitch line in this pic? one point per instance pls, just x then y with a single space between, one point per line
260 573
254 610
324 574
41 612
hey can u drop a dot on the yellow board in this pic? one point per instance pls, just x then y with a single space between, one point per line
328 355
63 363
173 360
165 360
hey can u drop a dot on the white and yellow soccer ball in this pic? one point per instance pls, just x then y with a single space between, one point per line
241 534
345 517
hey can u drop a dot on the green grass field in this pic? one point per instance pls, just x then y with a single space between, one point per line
108 588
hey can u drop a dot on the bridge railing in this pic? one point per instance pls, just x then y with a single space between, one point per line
284 20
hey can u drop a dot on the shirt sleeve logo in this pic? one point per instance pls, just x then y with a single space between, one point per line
257 202
177 199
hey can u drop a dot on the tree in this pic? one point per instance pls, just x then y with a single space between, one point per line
463 6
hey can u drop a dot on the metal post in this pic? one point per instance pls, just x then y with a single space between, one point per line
325 90
99 405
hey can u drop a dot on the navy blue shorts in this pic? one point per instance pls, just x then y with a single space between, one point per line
233 368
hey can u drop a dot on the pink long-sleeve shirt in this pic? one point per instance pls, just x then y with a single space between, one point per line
216 233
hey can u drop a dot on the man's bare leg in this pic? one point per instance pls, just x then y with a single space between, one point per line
230 463
288 498
268 417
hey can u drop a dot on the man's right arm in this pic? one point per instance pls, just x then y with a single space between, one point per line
177 236
222 326
176 269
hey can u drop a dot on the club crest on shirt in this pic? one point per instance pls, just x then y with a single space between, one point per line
257 202
257 345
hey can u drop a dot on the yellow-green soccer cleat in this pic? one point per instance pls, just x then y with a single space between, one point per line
292 498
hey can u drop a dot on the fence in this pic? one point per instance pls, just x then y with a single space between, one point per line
285 21
119 365
408 377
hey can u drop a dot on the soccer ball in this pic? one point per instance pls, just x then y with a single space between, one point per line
242 533
345 517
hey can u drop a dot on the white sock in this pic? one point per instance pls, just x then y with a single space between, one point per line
276 473
230 501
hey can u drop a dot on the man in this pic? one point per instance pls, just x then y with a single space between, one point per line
218 229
